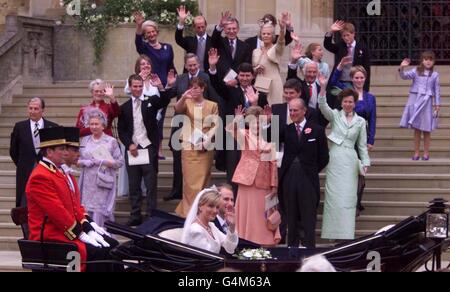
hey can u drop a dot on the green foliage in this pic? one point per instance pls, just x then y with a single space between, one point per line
96 17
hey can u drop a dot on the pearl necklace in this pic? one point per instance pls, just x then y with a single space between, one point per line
206 227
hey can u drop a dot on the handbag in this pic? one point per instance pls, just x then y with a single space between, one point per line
263 83
104 180
273 220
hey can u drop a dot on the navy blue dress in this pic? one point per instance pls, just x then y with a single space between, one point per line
162 59
162 63
366 108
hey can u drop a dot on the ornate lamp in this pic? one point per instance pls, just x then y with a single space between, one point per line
437 220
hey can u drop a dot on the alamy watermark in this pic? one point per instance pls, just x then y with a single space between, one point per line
74 8
374 8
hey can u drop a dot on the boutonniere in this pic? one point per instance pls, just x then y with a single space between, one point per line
149 105
308 131
360 53
145 98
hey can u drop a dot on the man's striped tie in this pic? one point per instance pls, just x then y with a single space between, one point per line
36 129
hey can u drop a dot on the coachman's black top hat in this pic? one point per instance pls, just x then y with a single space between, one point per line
72 136
51 137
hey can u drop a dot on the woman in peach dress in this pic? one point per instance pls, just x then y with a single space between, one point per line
256 176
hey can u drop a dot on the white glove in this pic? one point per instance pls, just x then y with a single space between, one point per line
88 240
99 230
98 238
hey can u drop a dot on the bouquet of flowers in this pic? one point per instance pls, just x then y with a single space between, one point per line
254 254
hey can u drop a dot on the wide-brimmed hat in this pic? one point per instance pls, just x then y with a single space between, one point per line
72 136
51 137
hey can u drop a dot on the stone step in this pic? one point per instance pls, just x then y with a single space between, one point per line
375 208
401 87
395 194
6 163
396 103
424 181
10 229
395 130
405 166
392 118
7 202
8 190
5 216
406 140
9 243
407 152
11 262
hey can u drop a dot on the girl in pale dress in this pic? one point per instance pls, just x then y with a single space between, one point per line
199 229
266 60
313 53
99 201
347 131
422 111
201 117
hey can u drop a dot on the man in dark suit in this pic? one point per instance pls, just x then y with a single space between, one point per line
232 51
292 89
305 155
198 44
256 42
226 205
245 95
310 90
138 130
348 47
192 67
24 145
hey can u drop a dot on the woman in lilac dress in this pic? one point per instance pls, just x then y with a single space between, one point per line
422 110
98 153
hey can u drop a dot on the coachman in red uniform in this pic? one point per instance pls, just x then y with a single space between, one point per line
53 199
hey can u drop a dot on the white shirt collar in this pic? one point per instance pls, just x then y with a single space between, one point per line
201 37
195 75
140 97
302 124
221 220
40 122
353 44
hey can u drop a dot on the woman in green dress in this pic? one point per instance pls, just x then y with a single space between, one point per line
347 131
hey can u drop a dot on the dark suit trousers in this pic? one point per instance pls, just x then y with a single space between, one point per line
135 175
232 158
300 204
177 181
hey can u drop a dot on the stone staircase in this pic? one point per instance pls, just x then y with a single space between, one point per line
396 186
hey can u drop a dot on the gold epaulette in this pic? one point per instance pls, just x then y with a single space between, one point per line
48 166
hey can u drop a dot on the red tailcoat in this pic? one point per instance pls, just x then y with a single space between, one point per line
48 193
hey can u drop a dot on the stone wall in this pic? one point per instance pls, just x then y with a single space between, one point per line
19 7
74 55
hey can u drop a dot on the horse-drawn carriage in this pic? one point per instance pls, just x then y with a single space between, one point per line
154 246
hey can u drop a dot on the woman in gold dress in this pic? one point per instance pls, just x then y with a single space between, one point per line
200 123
